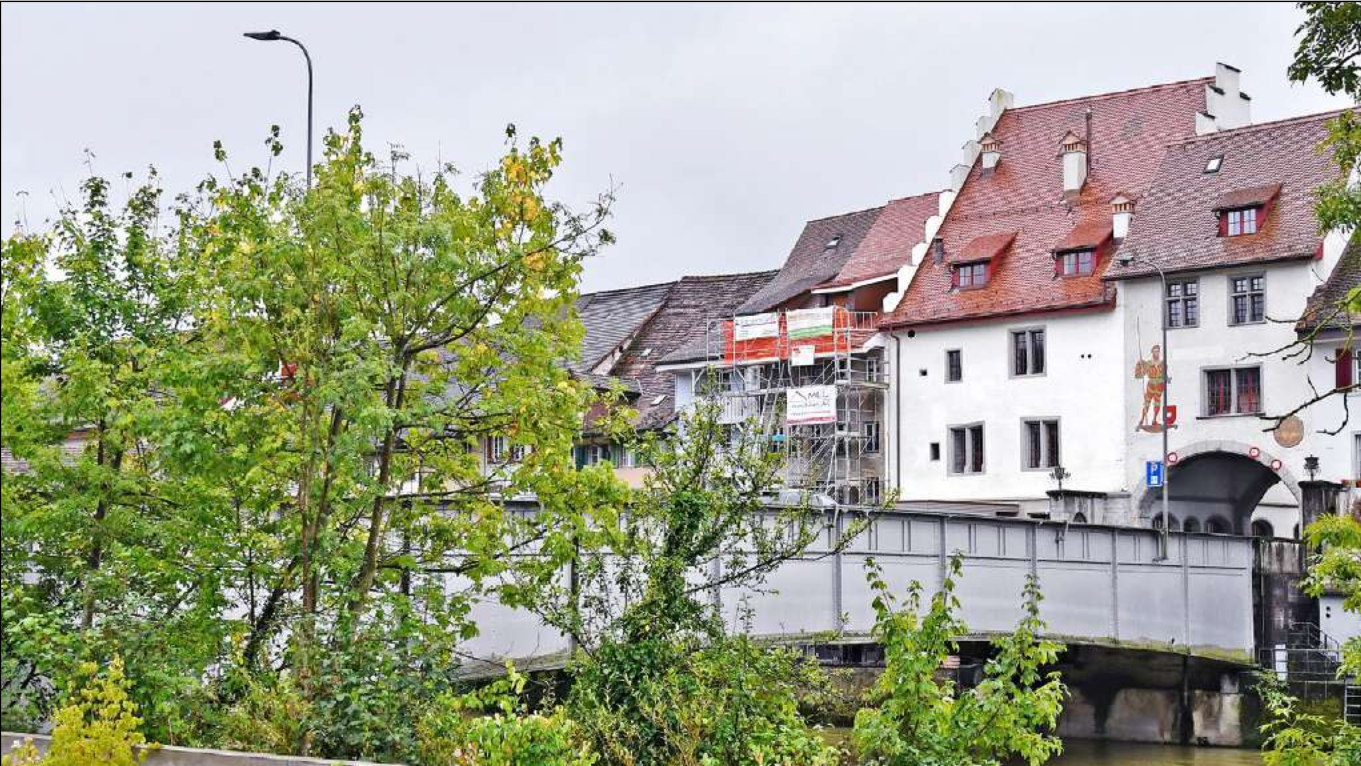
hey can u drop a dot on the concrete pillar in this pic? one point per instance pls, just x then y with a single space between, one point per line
1318 498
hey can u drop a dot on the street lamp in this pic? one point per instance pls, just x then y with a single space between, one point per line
273 35
1128 259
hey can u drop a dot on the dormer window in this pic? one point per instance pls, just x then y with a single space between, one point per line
967 275
1076 263
1234 223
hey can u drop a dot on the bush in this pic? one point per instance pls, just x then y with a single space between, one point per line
98 724
492 727
683 702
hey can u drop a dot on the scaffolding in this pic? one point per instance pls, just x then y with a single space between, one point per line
833 448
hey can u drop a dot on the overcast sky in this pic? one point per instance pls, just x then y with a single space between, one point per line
724 127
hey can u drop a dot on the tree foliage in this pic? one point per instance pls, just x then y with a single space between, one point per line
918 719
250 424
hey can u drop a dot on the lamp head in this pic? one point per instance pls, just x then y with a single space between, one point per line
271 35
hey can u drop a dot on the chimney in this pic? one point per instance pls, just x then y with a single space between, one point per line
1074 162
992 151
937 249
1122 212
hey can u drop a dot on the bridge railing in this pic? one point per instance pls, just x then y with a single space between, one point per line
1100 584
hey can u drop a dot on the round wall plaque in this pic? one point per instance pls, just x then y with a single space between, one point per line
1290 432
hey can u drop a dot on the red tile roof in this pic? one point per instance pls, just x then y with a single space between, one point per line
1253 195
1024 193
887 246
983 248
1089 233
1175 222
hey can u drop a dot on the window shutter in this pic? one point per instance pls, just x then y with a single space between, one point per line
1223 223
1344 368
1058 264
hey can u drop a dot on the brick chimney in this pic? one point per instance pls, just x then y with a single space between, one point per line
1122 213
992 151
1074 154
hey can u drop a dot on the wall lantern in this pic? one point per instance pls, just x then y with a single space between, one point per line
1311 466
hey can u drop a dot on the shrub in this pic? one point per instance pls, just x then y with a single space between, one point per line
98 724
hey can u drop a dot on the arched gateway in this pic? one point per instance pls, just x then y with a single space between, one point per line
1216 486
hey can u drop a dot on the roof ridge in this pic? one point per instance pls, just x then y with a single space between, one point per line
844 215
738 275
1265 125
1113 94
937 193
612 290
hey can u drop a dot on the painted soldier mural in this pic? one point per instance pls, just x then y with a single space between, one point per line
1153 371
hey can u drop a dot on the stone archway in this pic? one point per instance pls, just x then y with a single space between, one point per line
1217 481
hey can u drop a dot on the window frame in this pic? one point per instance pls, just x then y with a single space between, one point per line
874 443
1043 421
498 449
1181 300
1247 294
959 357
974 269
1076 259
968 431
1239 217
1028 331
1233 371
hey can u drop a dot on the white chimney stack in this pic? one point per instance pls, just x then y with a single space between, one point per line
992 151
1074 162
1226 106
1122 212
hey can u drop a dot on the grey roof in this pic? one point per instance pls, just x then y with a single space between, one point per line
611 317
683 319
1325 309
812 262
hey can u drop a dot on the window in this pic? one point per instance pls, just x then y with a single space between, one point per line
590 454
496 449
872 437
1233 391
1247 299
1027 348
1040 449
518 452
873 369
954 365
971 275
935 451
1233 223
1214 164
1183 303
966 449
1076 263
871 492
833 242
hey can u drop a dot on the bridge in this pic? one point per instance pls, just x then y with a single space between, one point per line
1102 585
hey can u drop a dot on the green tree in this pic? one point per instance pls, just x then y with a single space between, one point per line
95 528
659 681
917 719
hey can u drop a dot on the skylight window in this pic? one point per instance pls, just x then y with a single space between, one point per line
833 242
656 400
1214 163
646 353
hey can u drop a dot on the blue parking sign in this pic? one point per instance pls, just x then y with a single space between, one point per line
1153 473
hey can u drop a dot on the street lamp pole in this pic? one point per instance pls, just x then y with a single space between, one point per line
273 35
1126 260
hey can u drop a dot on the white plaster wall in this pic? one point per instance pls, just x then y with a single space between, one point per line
1216 343
1337 622
1083 358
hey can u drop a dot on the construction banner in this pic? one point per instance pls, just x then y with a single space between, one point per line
810 323
811 405
756 326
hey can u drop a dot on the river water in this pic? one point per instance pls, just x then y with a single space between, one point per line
1077 752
